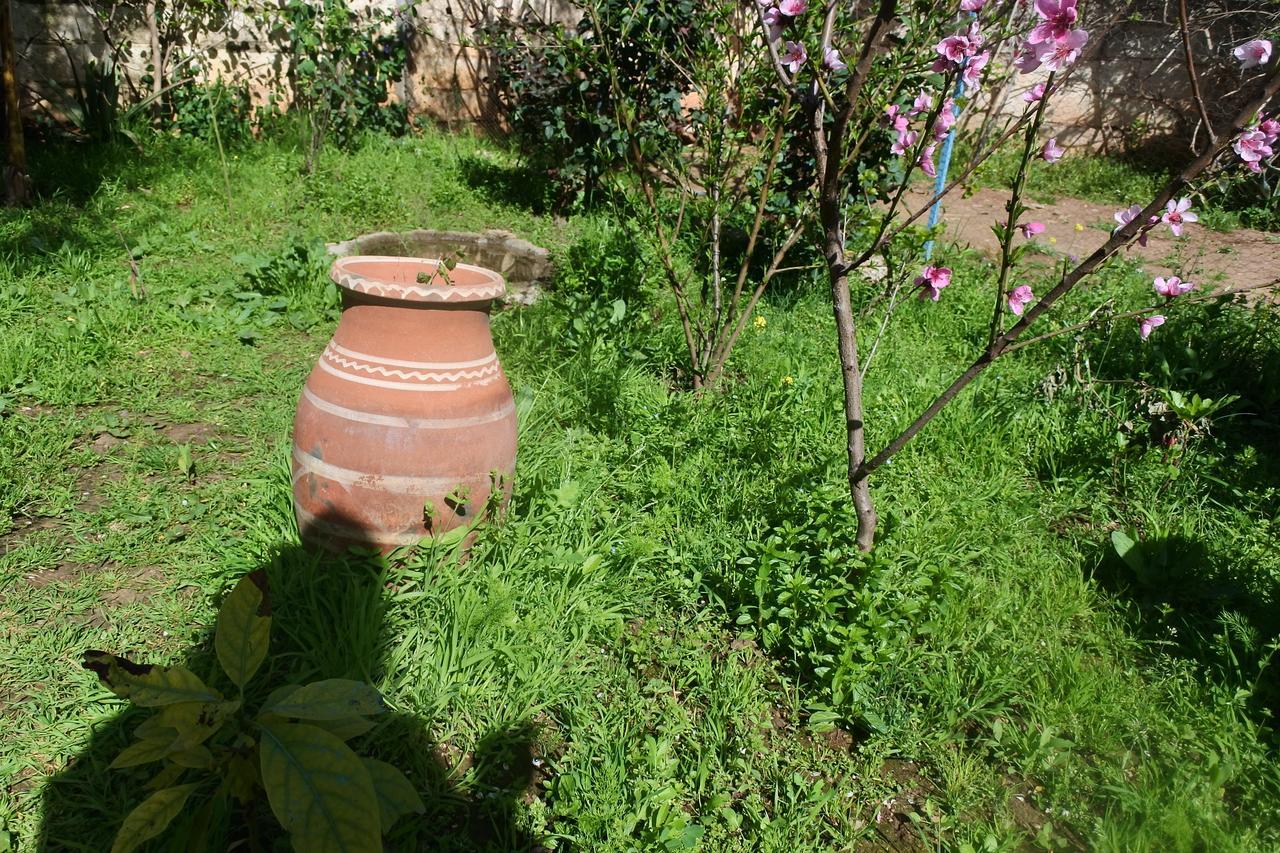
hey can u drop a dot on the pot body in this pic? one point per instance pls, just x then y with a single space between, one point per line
406 426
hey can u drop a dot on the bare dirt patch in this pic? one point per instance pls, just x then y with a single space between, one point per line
1235 258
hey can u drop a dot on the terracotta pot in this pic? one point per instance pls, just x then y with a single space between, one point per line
406 425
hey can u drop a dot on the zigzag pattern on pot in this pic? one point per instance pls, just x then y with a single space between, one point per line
477 373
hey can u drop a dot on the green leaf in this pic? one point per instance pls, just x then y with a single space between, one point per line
194 757
244 628
142 752
151 817
331 699
187 724
148 686
396 795
319 790
345 728
1129 551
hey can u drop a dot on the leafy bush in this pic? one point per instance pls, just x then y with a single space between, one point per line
557 85
294 748
840 614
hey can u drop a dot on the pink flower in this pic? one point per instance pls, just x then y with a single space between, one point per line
1051 152
1270 128
894 118
926 161
773 22
833 61
946 119
923 104
1146 324
1034 94
906 141
1019 297
795 56
1177 213
1057 19
1124 217
972 73
932 281
1172 286
954 48
1254 146
1057 55
793 8
1026 59
974 34
1253 53
1031 229
972 5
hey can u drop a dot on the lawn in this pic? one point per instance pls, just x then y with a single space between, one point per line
671 642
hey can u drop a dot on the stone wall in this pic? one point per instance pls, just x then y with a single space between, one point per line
61 40
1130 84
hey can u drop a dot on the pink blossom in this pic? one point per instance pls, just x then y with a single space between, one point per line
906 141
1146 324
1060 54
954 48
1254 146
1031 229
974 34
972 5
795 56
932 281
1027 59
1057 19
1035 93
894 118
1177 213
926 161
773 22
833 61
972 73
1172 286
1052 152
1124 217
793 8
1019 297
946 119
1270 128
923 103
1253 53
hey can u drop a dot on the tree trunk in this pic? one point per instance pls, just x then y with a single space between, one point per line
851 374
17 185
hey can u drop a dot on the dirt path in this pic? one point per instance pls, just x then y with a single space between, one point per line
1074 227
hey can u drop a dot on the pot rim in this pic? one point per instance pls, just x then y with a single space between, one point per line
396 277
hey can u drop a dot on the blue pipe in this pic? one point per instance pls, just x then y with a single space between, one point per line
944 161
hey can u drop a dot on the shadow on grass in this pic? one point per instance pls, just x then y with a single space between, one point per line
327 622
520 186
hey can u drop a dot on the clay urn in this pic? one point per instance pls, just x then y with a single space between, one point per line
406 426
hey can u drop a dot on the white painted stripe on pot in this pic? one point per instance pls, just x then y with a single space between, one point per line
419 375
351 531
420 365
385 383
390 483
405 423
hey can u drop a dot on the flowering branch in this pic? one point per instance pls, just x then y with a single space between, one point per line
1122 236
1098 319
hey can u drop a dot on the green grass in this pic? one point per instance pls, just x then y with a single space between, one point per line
671 641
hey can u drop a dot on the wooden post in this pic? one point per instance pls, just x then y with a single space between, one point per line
17 186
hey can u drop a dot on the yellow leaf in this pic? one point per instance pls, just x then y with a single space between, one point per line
152 816
319 790
244 628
